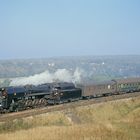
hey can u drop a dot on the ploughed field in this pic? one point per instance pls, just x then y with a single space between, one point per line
118 119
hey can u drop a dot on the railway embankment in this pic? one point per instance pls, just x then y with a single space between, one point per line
116 119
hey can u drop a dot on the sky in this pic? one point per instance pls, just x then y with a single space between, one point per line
53 28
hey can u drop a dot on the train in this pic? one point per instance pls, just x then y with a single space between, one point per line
17 98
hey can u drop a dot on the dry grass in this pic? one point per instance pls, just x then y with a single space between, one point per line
116 120
76 132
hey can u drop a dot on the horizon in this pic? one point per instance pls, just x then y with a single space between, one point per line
79 56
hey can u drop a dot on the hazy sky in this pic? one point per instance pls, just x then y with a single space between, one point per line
48 28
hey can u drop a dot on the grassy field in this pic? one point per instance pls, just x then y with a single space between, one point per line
115 120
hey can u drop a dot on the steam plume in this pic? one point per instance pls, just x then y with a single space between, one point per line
62 75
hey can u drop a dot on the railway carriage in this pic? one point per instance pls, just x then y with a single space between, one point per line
98 89
128 85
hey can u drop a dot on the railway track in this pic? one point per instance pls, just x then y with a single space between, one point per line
37 111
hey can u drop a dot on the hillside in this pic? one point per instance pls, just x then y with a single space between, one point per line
119 120
91 68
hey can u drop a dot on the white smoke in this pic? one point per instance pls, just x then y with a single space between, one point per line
78 73
62 75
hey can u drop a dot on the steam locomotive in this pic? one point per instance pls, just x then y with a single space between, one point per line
23 97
